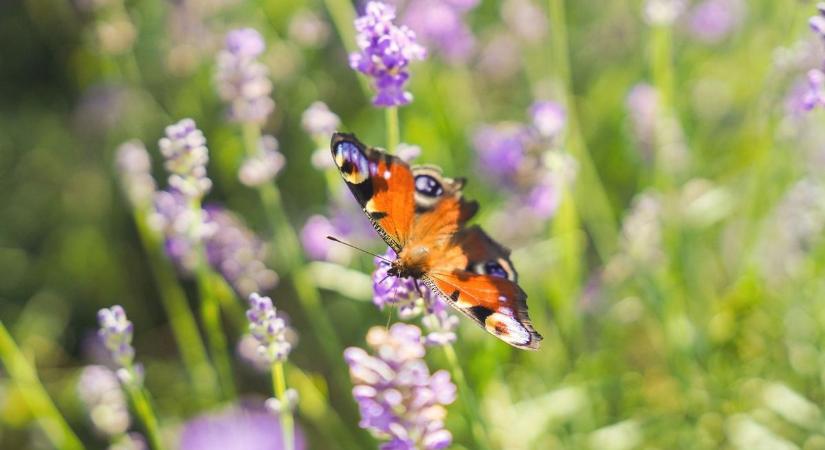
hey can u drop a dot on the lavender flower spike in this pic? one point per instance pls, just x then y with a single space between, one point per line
817 22
242 80
116 332
135 169
268 329
815 94
184 148
100 392
398 398
262 167
386 51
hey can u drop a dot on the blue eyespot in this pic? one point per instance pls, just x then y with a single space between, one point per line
495 269
428 186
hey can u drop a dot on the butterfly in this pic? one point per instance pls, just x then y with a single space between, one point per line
422 215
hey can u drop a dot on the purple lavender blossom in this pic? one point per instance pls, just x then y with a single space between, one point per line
314 238
262 167
643 107
712 20
386 52
815 94
398 398
268 329
116 333
135 173
345 221
184 149
548 118
242 80
237 253
100 391
319 122
308 29
501 150
236 427
818 22
182 227
440 25
525 19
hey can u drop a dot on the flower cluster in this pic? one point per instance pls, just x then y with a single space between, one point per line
100 391
398 398
116 333
262 167
242 80
186 155
817 22
386 52
440 25
527 161
268 329
711 20
319 122
182 226
237 427
345 221
135 169
412 299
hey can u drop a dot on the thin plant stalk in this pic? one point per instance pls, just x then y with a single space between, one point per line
287 421
143 409
25 378
393 129
181 318
211 316
471 410
589 193
661 67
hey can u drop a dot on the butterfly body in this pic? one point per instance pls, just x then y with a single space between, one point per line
422 216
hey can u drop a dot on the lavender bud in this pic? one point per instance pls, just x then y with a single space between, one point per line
549 118
184 149
318 121
135 169
100 392
386 52
264 166
243 81
116 332
268 329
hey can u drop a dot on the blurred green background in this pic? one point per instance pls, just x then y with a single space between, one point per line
684 311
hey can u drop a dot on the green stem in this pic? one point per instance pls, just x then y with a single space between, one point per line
184 326
287 422
661 67
393 129
343 16
144 411
211 316
35 396
589 193
471 410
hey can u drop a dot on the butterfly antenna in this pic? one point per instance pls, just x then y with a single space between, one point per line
335 239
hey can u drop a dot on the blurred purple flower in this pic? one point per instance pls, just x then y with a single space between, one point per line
262 167
99 389
712 20
308 29
543 199
815 94
398 398
817 22
314 237
386 51
548 117
440 25
184 149
318 121
237 253
268 329
525 19
643 107
499 58
236 428
135 173
345 221
242 80
501 150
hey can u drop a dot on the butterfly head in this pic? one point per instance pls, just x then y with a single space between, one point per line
411 262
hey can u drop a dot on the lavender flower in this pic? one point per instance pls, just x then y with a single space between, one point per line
440 25
308 29
548 117
643 107
525 19
116 333
100 391
237 253
319 121
345 221
184 149
501 150
314 238
243 80
237 427
404 293
386 52
183 228
815 94
663 12
134 168
712 20
398 398
264 166
268 329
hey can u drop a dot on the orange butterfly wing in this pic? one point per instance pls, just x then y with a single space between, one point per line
419 208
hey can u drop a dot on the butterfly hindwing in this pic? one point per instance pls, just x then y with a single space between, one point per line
382 184
486 289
